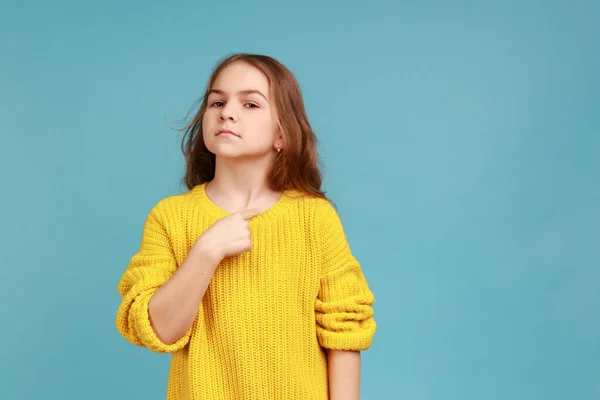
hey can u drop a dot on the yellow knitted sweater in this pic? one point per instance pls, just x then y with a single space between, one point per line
268 314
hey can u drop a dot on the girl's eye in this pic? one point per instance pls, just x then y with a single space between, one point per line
217 104
251 105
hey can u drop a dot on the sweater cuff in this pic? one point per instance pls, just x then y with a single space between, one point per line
139 318
348 341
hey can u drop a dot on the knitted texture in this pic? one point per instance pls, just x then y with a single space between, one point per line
268 314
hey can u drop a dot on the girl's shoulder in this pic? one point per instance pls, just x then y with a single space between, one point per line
320 210
176 205
180 201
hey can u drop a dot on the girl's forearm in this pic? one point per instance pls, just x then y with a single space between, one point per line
344 374
174 306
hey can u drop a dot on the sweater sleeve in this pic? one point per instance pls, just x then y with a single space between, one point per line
148 269
344 306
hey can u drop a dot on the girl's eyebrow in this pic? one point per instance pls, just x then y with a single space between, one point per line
241 92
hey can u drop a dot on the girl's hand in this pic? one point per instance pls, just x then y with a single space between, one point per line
228 236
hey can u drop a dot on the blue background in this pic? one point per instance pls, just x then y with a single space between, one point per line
460 140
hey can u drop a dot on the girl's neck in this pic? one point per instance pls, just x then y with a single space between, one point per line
241 184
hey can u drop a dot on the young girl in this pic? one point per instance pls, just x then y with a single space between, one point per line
247 278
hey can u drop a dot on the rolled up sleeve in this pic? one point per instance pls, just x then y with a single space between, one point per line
344 306
146 272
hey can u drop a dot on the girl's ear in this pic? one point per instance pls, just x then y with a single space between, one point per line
278 145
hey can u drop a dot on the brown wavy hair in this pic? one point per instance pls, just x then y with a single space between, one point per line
296 166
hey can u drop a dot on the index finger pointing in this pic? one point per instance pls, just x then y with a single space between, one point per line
247 214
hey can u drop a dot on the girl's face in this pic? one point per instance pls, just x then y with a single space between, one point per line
240 120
